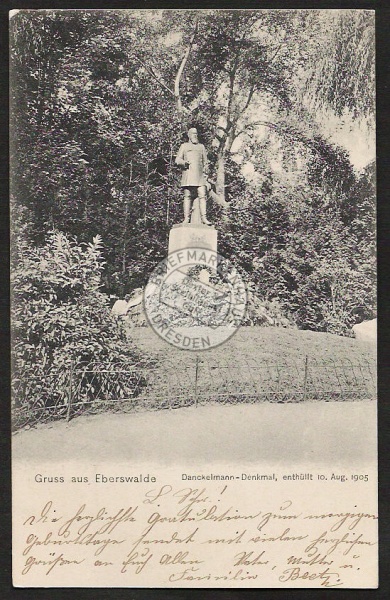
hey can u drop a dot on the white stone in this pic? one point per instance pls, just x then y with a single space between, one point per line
204 276
120 308
366 331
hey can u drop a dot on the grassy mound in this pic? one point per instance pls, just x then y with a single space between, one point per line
262 343
261 364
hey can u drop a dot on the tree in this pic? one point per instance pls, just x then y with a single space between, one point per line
341 67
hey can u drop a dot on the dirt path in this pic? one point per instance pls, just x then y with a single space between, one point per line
321 433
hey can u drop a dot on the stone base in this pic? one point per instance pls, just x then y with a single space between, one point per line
190 235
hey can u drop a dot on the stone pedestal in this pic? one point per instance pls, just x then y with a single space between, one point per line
191 235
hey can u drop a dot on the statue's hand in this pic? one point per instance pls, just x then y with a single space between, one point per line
183 164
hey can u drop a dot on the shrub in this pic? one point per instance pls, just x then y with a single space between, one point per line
60 318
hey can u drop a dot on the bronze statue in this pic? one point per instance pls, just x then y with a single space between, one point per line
192 158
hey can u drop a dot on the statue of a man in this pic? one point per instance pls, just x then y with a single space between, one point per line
192 158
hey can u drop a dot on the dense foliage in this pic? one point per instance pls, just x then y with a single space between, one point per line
60 317
96 125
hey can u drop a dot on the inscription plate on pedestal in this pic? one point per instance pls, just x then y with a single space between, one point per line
189 235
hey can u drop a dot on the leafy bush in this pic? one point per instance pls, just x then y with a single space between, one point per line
60 318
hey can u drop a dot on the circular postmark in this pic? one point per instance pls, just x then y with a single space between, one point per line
195 299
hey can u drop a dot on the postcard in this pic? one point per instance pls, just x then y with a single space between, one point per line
193 270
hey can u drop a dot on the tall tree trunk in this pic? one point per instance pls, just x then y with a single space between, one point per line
178 78
220 197
124 248
220 184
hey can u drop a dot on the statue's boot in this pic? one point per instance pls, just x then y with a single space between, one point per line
202 206
187 209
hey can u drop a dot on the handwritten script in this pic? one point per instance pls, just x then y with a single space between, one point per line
195 537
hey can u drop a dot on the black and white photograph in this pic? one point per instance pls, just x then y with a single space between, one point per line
193 298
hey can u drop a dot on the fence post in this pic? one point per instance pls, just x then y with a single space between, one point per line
196 380
305 378
70 391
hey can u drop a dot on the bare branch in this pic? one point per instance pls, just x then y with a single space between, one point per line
154 75
219 137
275 54
224 129
250 96
181 70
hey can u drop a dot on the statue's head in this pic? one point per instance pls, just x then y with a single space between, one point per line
193 135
